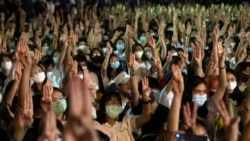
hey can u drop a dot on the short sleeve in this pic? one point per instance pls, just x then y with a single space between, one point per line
131 123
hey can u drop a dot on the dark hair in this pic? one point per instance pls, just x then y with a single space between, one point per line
233 73
4 55
102 111
46 61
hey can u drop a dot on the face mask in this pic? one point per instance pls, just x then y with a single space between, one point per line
39 77
185 71
138 54
155 94
232 85
120 47
81 47
50 36
80 76
152 34
59 139
104 50
199 100
113 111
49 74
59 106
149 55
46 49
102 31
97 59
106 37
56 59
190 50
75 11
175 54
233 44
115 65
32 54
6 65
143 39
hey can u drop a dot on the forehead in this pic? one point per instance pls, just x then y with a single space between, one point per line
230 76
201 86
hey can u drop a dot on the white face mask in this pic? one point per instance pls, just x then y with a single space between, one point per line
80 75
1 97
6 65
232 85
233 44
39 77
199 100
138 54
81 47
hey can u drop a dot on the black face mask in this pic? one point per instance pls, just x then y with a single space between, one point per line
97 59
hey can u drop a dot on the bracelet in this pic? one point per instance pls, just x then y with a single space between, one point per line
146 102
13 138
222 67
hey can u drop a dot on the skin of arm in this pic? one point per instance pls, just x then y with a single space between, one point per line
222 81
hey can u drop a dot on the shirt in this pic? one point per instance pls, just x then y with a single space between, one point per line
120 131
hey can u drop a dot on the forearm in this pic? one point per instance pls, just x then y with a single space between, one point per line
11 94
18 135
134 89
24 84
174 113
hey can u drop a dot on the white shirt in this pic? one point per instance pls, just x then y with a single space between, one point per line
120 131
166 99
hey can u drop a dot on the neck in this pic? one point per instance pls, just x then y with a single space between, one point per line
110 121
40 87
139 60
59 117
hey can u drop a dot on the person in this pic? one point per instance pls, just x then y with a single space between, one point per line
110 110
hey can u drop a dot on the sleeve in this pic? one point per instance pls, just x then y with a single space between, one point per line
211 106
130 120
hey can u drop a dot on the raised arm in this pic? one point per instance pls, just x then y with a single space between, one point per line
134 81
146 110
222 76
174 113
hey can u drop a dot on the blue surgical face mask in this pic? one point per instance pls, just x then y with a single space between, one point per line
120 47
113 111
50 36
59 106
46 49
143 39
199 100
185 71
56 59
190 50
115 65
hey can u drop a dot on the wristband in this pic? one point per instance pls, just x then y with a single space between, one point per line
222 67
146 102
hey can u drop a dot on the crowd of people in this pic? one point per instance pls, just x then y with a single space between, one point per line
90 72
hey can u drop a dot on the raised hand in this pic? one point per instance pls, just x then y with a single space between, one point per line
24 54
79 125
151 41
145 89
197 53
24 115
132 62
37 56
190 116
177 80
18 71
48 126
46 102
231 124
109 48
